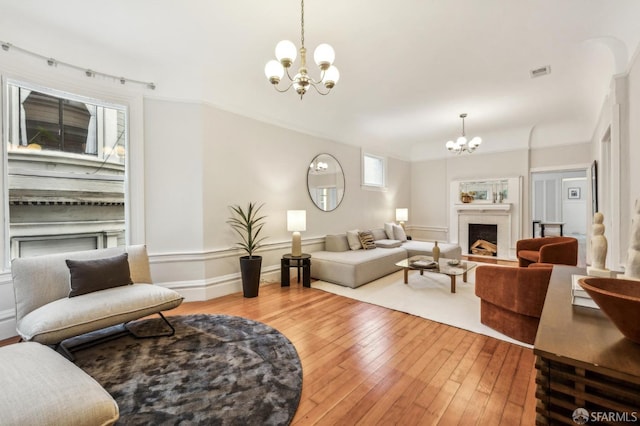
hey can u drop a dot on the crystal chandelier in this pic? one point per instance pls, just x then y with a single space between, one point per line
286 54
461 144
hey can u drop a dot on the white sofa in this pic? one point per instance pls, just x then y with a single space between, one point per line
339 264
46 314
41 387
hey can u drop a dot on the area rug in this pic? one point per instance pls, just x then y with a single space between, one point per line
215 370
428 296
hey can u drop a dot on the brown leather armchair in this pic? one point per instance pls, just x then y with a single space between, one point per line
511 299
553 250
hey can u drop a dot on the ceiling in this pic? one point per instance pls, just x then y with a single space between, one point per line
408 68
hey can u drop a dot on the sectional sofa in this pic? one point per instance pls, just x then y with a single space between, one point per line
346 263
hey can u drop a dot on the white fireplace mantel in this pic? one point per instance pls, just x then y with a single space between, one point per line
503 207
506 215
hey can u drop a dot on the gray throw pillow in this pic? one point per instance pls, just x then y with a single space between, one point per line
88 276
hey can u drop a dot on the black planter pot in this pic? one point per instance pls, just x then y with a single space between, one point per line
250 268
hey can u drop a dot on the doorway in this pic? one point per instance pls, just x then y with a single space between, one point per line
562 197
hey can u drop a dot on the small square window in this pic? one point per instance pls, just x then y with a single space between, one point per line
373 170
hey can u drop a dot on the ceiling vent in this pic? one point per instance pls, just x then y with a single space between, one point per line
539 72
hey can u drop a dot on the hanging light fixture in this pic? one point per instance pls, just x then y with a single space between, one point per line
286 54
461 144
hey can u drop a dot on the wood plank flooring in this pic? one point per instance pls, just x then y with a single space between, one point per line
367 365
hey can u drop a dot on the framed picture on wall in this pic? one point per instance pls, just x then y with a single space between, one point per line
574 193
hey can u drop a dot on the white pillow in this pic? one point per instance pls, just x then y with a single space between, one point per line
399 234
353 238
388 228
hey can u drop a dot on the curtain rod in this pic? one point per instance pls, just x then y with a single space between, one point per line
87 71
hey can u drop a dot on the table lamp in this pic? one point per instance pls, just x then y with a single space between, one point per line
402 215
296 222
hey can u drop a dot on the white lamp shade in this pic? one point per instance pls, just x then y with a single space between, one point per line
331 75
286 50
402 215
296 220
451 145
461 141
324 54
274 69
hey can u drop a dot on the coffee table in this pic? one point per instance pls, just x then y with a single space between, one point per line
443 268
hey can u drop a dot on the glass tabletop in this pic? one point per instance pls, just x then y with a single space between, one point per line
444 266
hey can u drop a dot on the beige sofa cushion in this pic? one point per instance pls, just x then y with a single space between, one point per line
336 243
388 243
41 387
71 316
357 267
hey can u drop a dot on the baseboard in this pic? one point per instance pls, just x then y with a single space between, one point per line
7 324
200 290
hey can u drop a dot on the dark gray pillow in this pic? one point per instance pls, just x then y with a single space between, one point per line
88 276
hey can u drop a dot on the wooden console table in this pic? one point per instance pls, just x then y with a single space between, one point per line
583 361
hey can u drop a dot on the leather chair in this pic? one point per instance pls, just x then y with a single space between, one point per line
552 250
511 298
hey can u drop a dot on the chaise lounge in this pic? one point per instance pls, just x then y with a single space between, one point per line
48 311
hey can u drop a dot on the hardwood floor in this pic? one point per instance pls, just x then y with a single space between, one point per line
367 365
364 364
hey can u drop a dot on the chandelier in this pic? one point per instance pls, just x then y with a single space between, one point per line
286 54
320 166
461 144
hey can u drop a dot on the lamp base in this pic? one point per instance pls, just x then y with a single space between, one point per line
296 244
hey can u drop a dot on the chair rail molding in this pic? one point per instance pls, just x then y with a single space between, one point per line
190 273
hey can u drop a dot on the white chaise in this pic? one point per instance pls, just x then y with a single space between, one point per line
46 314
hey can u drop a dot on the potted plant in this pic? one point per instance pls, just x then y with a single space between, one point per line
248 224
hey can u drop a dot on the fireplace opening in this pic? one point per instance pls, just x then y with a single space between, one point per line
483 239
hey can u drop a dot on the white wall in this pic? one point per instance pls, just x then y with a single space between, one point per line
575 211
431 180
202 159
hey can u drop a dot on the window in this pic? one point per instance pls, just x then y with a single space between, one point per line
66 158
374 170
45 120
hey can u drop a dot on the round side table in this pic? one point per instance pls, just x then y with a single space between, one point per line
289 261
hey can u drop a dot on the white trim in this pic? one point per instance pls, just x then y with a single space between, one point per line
199 290
571 167
503 207
214 254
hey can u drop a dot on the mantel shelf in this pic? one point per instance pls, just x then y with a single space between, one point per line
503 207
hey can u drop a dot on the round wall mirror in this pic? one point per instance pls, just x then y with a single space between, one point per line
325 181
